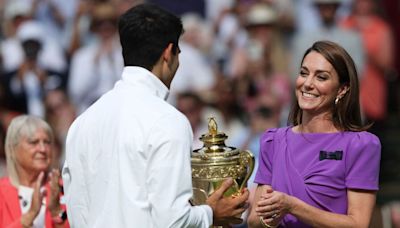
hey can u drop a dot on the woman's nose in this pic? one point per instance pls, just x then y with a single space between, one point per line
308 83
42 146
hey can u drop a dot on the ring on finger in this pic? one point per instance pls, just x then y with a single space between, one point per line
274 215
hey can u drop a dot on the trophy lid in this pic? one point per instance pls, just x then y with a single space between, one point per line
213 137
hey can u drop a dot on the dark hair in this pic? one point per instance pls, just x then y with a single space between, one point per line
145 31
346 114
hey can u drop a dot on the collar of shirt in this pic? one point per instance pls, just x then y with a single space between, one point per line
139 75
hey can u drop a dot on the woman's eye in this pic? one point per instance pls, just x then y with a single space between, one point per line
322 77
303 73
33 142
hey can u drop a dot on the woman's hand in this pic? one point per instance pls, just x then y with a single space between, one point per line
54 194
28 218
273 206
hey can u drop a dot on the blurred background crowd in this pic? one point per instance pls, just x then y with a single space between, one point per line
238 63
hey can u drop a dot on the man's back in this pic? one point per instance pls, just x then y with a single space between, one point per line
128 158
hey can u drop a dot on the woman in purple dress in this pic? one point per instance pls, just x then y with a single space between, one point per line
322 171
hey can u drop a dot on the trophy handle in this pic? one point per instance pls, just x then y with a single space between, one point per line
247 159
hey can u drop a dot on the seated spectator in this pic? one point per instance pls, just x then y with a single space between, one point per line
28 147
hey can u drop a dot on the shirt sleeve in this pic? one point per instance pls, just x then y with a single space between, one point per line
170 182
264 171
76 190
362 162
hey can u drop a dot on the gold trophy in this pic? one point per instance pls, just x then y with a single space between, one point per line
216 162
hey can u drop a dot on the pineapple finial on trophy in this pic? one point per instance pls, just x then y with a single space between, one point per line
212 126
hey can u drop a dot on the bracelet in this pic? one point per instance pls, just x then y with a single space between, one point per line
265 224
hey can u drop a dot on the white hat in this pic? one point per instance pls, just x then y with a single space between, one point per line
261 13
16 8
30 30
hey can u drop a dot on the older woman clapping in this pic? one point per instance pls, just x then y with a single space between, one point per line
30 196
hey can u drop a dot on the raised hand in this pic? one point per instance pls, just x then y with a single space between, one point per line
54 194
37 197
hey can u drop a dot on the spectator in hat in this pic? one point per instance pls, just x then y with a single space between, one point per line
259 68
307 17
96 66
329 30
16 13
260 23
26 85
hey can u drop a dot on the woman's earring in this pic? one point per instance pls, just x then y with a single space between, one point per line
336 100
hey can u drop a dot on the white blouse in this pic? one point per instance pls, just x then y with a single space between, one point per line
25 200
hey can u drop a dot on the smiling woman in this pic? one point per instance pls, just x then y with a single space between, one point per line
318 86
322 171
28 147
328 73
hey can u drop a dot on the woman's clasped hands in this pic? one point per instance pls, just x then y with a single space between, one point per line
272 207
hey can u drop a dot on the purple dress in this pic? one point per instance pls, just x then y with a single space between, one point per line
318 168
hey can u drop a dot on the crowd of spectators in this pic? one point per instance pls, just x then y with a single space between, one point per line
238 61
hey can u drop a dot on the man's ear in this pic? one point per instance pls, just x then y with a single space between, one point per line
167 53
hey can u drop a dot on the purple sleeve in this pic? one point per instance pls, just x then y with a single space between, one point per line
264 171
362 162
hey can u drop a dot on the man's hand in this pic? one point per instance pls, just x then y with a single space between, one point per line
227 208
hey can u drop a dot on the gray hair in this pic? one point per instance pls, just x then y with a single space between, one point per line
21 126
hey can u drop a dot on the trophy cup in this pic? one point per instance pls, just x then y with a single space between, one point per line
216 162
